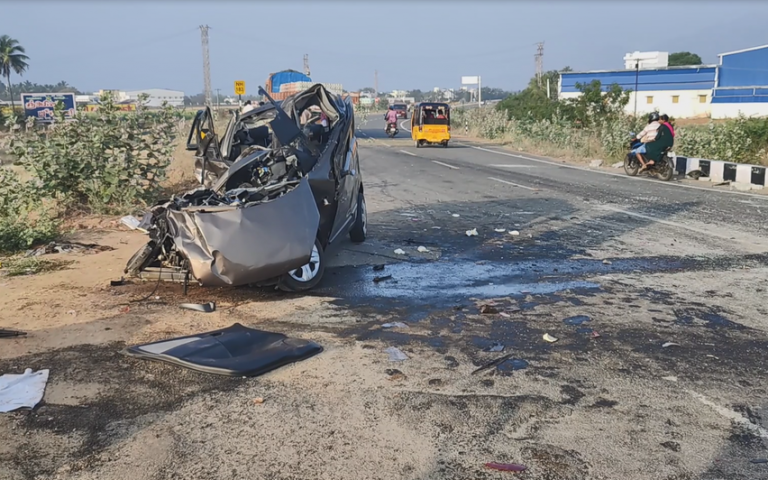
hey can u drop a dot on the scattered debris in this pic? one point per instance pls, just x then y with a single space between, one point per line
130 221
399 251
235 351
11 333
456 215
378 268
505 314
199 307
497 347
55 247
500 230
670 344
607 262
506 467
472 233
488 310
395 374
395 354
408 214
382 278
395 325
258 400
759 460
549 338
577 320
22 391
670 378
595 334
514 233
422 249
117 283
493 363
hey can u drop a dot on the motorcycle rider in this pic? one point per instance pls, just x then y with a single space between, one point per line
391 118
647 135
664 120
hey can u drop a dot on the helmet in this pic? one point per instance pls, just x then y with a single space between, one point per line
391 107
653 117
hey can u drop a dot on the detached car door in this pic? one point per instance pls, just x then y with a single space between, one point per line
202 139
347 169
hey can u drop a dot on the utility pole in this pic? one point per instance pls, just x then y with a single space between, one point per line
375 83
539 61
306 64
206 64
217 99
637 77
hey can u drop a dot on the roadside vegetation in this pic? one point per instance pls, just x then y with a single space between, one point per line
105 162
595 126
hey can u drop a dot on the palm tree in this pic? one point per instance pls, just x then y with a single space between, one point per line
12 58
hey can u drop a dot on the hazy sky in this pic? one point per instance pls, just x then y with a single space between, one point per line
417 44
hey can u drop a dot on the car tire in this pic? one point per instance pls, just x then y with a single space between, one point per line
418 143
141 258
359 229
312 271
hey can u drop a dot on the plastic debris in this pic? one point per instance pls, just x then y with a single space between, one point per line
498 347
378 268
199 307
11 333
456 215
20 391
258 400
130 221
506 467
595 334
505 314
422 249
514 233
759 460
606 262
395 325
472 233
395 354
500 230
549 338
493 363
488 309
382 279
670 344
399 251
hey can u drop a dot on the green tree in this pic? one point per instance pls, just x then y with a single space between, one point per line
678 59
594 104
12 59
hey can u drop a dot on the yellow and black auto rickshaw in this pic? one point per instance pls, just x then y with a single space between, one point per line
431 124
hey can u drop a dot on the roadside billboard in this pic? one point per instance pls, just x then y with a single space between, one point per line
41 105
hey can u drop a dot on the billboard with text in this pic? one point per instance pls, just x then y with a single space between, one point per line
41 105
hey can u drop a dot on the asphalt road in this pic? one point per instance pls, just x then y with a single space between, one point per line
653 291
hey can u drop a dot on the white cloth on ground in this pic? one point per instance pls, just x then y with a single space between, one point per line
24 390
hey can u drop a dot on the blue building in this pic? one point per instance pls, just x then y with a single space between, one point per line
738 84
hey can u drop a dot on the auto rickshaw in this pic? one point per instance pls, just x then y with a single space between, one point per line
431 124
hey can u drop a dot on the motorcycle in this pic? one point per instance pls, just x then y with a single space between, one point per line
392 130
663 170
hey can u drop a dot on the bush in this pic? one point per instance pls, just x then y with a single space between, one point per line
26 218
102 162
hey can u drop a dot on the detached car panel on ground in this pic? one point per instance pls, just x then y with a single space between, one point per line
280 185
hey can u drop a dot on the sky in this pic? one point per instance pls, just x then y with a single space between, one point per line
418 44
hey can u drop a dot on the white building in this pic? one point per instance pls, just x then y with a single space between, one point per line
157 96
646 60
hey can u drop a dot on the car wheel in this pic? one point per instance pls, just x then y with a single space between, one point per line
360 227
141 258
307 276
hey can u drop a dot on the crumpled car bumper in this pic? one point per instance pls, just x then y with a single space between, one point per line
230 246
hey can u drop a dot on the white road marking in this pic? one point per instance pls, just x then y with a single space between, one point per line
445 164
513 166
402 125
513 184
729 414
708 233
574 167
408 153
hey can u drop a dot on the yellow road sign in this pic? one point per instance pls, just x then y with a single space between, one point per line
239 87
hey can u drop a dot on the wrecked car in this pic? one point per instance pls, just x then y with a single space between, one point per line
280 185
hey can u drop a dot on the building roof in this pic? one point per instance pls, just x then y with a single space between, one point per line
742 50
682 67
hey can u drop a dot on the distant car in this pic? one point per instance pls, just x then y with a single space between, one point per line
401 109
